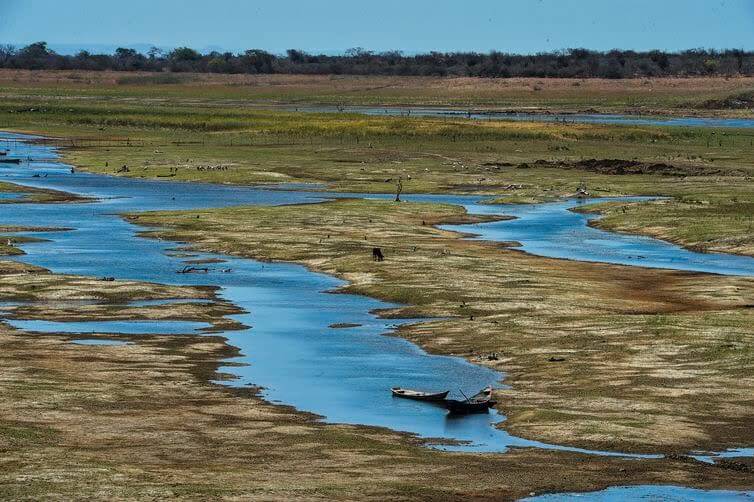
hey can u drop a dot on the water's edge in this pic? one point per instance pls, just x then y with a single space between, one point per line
498 441
532 116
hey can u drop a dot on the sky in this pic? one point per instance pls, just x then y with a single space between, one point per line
332 26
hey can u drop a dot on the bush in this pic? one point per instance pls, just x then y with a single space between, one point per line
574 63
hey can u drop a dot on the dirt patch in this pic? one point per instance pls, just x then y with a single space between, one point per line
627 167
740 101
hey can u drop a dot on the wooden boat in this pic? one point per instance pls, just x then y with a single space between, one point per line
478 403
193 270
419 396
10 161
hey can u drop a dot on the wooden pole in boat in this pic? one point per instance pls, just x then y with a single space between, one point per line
464 395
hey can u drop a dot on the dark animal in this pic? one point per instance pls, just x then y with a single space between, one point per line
377 255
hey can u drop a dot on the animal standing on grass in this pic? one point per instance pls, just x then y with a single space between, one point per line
377 255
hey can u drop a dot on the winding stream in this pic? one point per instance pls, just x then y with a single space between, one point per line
290 350
664 493
553 230
535 116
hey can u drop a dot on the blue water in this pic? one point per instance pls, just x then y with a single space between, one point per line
553 230
581 118
126 327
290 350
169 301
650 493
100 342
710 457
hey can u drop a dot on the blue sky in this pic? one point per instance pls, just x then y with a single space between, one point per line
525 26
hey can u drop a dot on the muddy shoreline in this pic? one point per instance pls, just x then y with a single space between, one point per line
409 332
192 363
670 464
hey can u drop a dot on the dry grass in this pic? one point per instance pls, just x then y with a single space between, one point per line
141 421
723 225
567 94
211 133
29 194
653 359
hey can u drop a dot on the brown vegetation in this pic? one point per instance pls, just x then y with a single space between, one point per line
521 94
142 421
653 358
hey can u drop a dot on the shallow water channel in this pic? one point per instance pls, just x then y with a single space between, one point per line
535 116
344 375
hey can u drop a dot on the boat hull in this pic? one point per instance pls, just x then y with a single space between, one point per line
435 397
465 408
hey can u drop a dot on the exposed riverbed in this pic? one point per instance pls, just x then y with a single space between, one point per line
291 350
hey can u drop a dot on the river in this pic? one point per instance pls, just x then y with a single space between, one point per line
344 375
534 116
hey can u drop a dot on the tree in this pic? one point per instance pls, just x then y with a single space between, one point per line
185 59
124 54
7 51
258 61
660 59
83 60
220 64
184 54
358 53
711 65
128 59
35 50
572 63
155 53
35 56
296 56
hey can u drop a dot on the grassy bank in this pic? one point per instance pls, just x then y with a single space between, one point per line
35 293
29 194
644 95
725 225
142 421
199 130
597 355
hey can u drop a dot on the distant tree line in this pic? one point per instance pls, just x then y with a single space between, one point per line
572 63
